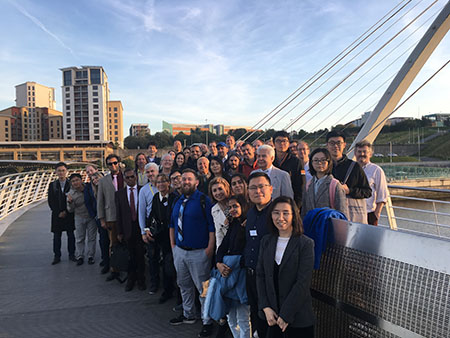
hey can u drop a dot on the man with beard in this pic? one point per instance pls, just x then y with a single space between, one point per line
195 153
192 239
249 163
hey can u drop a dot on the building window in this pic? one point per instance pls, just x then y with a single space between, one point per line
69 132
57 129
109 120
94 93
68 120
116 133
68 126
95 87
115 114
29 87
96 125
95 106
6 122
67 107
116 138
57 123
109 110
95 112
96 131
6 129
67 95
51 123
95 118
96 137
67 101
95 76
68 113
67 78
67 89
115 120
95 99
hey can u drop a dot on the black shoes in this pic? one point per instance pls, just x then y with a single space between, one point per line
56 260
206 331
112 276
72 258
104 270
102 263
91 260
80 261
153 290
130 285
164 298
182 320
141 285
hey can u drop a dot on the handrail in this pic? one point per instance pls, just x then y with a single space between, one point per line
402 187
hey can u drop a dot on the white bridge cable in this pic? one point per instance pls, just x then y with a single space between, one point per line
261 122
358 67
369 82
342 67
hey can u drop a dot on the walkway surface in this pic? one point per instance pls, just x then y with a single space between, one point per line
65 300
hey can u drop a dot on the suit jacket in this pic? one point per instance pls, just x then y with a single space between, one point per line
294 280
311 200
292 165
106 203
124 224
281 183
57 202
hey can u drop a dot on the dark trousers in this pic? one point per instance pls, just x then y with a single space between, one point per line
57 243
154 257
290 332
103 241
258 324
168 268
136 267
372 219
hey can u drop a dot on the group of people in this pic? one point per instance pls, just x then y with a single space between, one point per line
232 211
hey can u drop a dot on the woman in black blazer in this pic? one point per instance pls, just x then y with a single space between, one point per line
283 273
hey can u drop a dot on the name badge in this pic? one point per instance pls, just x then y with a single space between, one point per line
253 233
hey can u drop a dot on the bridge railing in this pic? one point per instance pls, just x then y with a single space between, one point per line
20 190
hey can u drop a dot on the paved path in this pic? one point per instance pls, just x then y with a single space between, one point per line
65 300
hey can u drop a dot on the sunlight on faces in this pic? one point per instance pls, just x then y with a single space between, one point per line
282 215
179 160
233 162
237 185
141 161
336 146
218 192
175 180
222 151
235 208
188 183
249 152
216 168
203 165
281 144
167 162
76 182
196 152
230 141
264 159
187 152
162 185
320 163
303 151
61 172
90 170
151 173
260 191
152 151
363 155
293 148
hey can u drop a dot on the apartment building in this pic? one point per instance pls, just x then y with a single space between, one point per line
115 122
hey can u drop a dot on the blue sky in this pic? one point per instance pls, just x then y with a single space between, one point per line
229 62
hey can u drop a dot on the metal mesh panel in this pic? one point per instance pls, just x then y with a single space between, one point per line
379 291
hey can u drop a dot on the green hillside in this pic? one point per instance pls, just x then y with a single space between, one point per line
438 147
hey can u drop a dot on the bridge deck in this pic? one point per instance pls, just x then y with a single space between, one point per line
65 300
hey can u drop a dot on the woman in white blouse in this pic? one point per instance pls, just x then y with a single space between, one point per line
219 191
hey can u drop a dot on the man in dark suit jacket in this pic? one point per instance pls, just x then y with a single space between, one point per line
128 229
62 220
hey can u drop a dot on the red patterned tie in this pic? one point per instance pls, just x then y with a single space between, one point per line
132 206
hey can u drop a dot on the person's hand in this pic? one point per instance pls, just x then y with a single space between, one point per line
150 238
62 214
271 316
103 223
209 252
346 189
144 238
69 198
282 324
120 237
224 269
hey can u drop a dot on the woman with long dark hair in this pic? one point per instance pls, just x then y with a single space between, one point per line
180 162
139 167
284 272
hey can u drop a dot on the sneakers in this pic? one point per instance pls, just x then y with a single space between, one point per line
178 308
56 260
182 320
72 258
91 260
206 331
80 261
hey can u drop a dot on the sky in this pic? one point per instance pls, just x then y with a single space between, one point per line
221 62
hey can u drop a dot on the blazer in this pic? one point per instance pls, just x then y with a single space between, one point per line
57 202
294 280
123 220
311 200
281 183
106 202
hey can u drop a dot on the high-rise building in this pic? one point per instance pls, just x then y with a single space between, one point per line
85 94
51 124
115 122
139 129
32 95
14 124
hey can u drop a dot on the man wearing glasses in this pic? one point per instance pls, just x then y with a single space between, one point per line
106 203
351 176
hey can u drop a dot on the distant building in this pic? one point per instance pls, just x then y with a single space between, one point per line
393 121
438 117
85 94
33 95
14 124
175 128
51 124
139 129
115 122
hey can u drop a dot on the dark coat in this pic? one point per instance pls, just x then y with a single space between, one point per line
294 280
124 223
357 180
292 165
57 202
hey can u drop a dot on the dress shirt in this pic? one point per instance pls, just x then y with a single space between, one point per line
145 204
377 181
135 193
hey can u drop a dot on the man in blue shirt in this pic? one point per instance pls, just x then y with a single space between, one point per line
192 238
260 192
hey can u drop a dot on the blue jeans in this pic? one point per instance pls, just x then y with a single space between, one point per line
239 321
57 243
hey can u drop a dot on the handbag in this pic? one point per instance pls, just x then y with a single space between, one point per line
120 257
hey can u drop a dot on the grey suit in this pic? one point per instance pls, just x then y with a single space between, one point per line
294 280
281 182
106 203
311 200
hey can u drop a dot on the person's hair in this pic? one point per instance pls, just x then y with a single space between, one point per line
231 136
110 156
247 144
165 155
259 174
218 160
294 141
151 164
75 175
328 157
97 174
188 148
174 171
195 145
266 147
335 133
189 170
363 143
297 224
219 180
60 164
213 142
136 159
127 169
235 154
303 142
151 143
243 203
164 177
91 165
280 133
243 179
175 160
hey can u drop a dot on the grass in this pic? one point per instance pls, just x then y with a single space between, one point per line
394 159
438 147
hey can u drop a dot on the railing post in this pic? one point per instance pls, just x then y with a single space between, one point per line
436 220
390 214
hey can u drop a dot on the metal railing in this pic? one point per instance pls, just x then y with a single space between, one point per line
20 190
419 214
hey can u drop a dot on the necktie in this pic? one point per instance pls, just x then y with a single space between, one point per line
115 182
132 206
180 220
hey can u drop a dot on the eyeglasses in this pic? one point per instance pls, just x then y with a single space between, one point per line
256 187
112 163
130 177
278 140
176 177
321 160
338 143
285 214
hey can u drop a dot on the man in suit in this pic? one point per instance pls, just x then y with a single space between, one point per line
106 203
281 182
128 229
62 220
152 150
